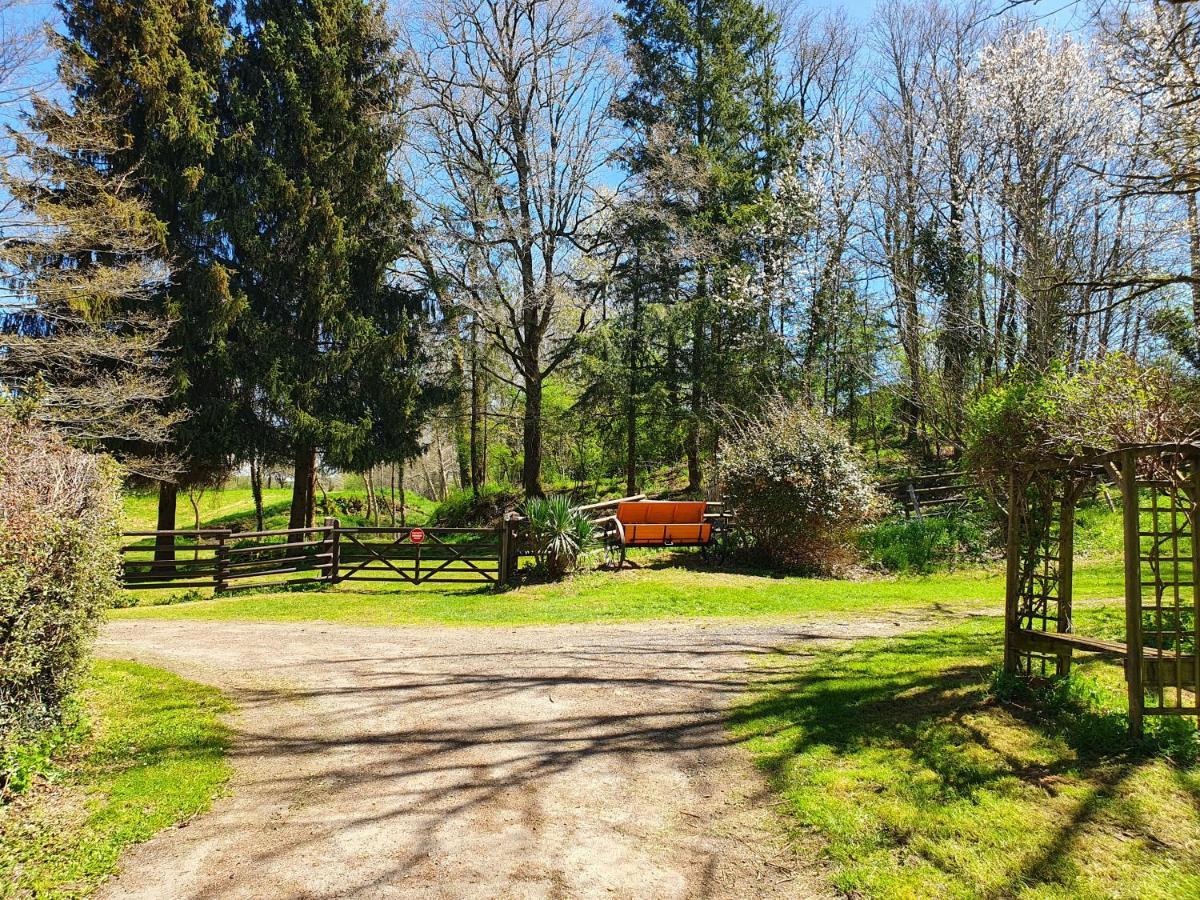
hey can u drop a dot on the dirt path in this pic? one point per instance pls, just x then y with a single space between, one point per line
437 762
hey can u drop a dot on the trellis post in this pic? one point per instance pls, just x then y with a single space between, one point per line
1066 569
1013 576
1194 476
1133 589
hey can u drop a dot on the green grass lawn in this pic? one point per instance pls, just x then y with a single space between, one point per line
234 507
155 756
631 595
919 785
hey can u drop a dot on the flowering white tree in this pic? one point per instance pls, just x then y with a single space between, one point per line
1043 104
1153 56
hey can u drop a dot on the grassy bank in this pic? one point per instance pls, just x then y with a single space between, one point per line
154 755
234 508
919 785
649 593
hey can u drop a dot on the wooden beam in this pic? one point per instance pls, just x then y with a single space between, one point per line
1133 590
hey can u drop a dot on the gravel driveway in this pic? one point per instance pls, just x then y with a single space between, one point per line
567 761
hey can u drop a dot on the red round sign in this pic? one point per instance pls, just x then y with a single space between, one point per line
417 535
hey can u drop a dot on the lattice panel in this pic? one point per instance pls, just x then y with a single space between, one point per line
1167 593
1040 605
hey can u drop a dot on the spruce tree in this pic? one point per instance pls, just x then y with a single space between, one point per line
82 261
699 84
152 69
315 221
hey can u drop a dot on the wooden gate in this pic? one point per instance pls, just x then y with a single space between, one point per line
438 554
328 554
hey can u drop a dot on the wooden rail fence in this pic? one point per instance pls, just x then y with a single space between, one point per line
327 554
922 495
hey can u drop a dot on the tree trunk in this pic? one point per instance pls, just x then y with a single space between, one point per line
631 404
168 501
374 498
697 404
443 485
256 490
309 511
531 472
403 497
463 407
477 478
631 445
303 475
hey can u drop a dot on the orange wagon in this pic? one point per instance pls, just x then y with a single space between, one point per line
657 523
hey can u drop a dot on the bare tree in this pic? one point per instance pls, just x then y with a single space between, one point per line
903 37
511 137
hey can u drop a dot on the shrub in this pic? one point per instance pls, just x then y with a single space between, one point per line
799 490
58 571
1106 403
560 534
461 509
921 545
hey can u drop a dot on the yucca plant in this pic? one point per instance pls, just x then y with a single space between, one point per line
560 534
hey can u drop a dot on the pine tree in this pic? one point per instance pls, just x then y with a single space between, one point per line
700 84
79 341
153 68
315 220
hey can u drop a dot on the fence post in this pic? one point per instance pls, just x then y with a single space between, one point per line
221 554
508 547
335 556
502 562
916 504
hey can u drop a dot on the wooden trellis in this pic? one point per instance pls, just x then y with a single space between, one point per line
1160 488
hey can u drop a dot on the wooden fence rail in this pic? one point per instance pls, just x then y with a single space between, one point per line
332 553
930 494
327 554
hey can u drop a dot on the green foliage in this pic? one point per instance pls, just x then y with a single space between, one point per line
560 534
148 753
331 347
28 754
922 545
1176 328
797 487
1099 530
463 509
714 140
1105 403
58 572
154 67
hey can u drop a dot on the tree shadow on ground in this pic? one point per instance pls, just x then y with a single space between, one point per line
925 698
440 736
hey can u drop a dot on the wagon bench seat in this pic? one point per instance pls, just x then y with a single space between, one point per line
658 523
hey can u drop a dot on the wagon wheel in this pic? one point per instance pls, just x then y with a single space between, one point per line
612 554
727 545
